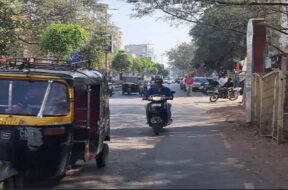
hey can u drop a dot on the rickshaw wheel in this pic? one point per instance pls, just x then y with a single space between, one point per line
14 182
101 159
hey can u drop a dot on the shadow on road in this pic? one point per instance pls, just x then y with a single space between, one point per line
154 162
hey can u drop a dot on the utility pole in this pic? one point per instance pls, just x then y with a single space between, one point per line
108 50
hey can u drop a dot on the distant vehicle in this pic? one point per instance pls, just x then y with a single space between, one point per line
169 81
198 83
110 89
230 93
166 81
177 80
130 85
210 87
182 84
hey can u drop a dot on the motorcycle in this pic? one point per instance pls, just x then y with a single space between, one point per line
143 90
230 93
157 113
209 88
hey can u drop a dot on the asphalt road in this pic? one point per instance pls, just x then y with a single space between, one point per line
190 153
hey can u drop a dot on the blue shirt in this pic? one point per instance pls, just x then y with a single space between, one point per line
163 91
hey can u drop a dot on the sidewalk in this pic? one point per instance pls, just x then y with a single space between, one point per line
261 155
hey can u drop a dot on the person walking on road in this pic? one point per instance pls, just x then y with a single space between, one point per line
189 82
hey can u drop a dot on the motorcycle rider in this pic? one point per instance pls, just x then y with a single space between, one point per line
159 89
225 87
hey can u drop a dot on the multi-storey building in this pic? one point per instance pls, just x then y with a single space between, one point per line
138 50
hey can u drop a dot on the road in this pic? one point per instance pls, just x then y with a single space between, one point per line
190 153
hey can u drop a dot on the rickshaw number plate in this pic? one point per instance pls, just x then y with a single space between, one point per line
9 121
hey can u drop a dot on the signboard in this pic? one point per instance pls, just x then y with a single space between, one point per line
109 47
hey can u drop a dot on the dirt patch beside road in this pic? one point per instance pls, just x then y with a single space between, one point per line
260 155
230 113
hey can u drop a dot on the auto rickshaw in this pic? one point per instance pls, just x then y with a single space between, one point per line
130 85
51 116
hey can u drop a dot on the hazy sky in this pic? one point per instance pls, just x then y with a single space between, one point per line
158 33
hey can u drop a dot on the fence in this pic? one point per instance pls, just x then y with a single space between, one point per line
270 104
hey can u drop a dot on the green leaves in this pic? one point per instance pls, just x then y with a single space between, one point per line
221 36
182 56
30 25
94 50
145 65
124 62
62 39
10 23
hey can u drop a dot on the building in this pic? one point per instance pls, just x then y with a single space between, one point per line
138 50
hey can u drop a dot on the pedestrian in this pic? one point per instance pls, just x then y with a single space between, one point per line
188 83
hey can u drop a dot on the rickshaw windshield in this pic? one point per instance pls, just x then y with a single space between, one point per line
30 97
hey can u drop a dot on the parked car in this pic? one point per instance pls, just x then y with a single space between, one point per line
199 82
210 87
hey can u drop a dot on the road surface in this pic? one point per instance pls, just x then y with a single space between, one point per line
190 153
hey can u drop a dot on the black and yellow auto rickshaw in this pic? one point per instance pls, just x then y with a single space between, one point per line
130 85
51 116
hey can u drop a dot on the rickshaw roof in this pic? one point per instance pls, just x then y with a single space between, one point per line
90 76
68 72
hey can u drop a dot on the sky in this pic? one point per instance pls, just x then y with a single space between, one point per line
148 29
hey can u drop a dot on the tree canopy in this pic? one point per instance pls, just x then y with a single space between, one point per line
10 24
122 62
23 23
182 56
63 39
218 27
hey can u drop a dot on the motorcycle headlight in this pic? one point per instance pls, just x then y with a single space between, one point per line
156 98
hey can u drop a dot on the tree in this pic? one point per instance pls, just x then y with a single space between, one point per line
94 51
194 11
145 65
182 56
34 16
166 73
122 62
217 48
10 24
160 68
63 39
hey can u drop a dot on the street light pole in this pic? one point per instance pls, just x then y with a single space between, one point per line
106 64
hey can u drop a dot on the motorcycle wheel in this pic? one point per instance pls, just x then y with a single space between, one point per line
233 96
14 182
214 97
156 130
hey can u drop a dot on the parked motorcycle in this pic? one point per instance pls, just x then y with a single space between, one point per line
209 88
157 113
230 93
